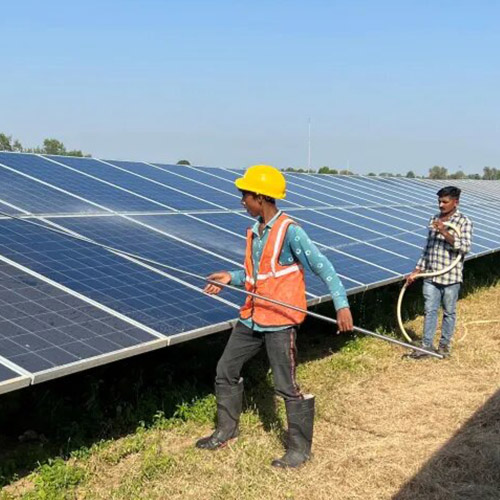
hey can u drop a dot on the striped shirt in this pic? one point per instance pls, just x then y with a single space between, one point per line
438 253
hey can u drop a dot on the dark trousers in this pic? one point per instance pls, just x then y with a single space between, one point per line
244 343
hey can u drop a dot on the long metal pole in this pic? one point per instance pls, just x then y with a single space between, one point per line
66 232
329 320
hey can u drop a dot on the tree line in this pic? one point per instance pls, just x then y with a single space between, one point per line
436 172
489 174
55 147
50 147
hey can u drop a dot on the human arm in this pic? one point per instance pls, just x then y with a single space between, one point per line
344 320
463 241
444 231
422 263
412 276
236 278
223 277
460 240
420 267
306 252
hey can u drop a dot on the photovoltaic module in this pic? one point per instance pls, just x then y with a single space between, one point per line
67 304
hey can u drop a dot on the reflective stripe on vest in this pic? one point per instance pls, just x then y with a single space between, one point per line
277 274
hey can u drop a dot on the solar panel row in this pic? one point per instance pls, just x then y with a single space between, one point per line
66 304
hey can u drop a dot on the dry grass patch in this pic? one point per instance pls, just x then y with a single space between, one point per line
386 427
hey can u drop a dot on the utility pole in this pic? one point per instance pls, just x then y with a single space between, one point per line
309 148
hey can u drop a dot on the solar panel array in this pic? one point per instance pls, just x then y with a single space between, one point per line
66 304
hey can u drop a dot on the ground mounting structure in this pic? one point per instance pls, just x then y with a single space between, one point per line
67 304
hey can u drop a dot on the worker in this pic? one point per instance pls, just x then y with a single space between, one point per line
441 249
277 251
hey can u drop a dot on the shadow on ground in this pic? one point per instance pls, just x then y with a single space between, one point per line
57 417
468 466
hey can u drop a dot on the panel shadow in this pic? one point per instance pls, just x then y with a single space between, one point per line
467 466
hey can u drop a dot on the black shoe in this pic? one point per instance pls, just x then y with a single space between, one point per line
444 350
229 404
300 416
420 354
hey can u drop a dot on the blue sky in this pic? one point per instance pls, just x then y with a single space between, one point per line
388 85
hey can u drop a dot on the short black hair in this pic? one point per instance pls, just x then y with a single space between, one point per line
451 191
267 198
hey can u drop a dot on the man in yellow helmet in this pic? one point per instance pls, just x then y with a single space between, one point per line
277 251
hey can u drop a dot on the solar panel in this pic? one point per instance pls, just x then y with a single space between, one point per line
84 187
44 330
197 194
163 304
67 304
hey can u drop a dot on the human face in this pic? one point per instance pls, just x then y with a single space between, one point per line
447 205
252 203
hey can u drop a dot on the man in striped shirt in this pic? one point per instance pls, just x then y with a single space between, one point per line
450 236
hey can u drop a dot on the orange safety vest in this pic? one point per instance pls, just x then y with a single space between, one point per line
285 283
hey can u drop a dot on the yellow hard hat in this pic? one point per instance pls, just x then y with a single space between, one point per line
263 179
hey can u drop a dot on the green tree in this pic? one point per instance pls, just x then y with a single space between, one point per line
491 174
75 152
372 174
475 177
183 162
410 174
53 147
50 147
292 169
5 142
345 172
327 170
437 172
459 174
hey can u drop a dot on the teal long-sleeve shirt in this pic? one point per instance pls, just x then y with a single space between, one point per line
297 247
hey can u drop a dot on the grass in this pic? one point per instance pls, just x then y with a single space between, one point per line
384 425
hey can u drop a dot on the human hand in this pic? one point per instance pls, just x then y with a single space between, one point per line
220 276
438 225
412 277
344 320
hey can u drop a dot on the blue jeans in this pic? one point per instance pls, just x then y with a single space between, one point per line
434 295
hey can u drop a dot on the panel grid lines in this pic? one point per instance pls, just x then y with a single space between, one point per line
66 304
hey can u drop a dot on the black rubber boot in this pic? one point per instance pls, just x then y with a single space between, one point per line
229 403
300 416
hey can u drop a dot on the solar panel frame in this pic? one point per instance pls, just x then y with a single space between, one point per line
13 382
